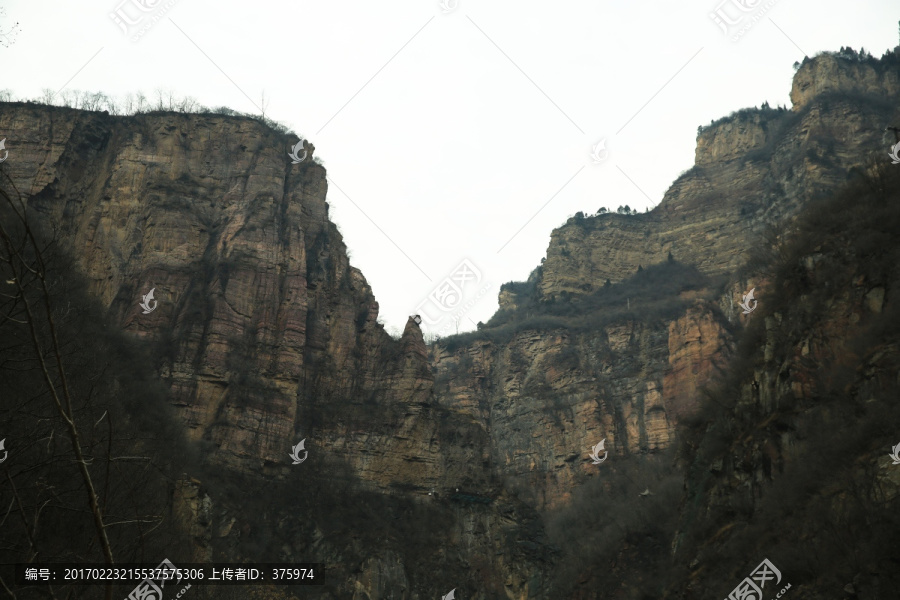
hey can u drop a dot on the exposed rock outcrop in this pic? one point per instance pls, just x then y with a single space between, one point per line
266 335
752 170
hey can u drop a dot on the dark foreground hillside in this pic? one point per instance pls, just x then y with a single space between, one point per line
733 438
789 457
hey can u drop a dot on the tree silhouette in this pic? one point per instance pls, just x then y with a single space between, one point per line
85 479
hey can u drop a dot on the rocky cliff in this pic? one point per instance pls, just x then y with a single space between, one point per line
631 379
463 464
752 169
259 327
262 323
789 459
589 348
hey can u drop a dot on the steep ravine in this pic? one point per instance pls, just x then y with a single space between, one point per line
266 335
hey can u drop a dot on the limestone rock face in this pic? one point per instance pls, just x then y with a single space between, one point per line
732 138
751 170
834 73
548 397
261 320
266 335
698 346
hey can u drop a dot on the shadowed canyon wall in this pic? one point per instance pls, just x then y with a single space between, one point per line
264 334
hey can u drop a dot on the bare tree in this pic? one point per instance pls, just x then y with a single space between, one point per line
23 260
264 104
68 98
141 102
79 396
95 101
128 104
84 100
188 104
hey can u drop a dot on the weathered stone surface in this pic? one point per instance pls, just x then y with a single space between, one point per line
382 577
697 349
830 73
268 336
752 169
548 397
261 316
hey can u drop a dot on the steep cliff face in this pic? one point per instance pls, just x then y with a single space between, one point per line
751 170
265 335
547 395
261 320
845 73
570 360
790 457
261 329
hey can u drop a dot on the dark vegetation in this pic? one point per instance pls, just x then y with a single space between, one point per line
818 507
765 113
650 294
800 481
610 533
102 490
88 431
328 504
579 217
891 58
87 478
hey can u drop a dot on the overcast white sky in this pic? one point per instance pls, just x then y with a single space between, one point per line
455 132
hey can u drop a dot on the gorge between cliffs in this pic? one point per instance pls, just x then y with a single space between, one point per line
736 350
